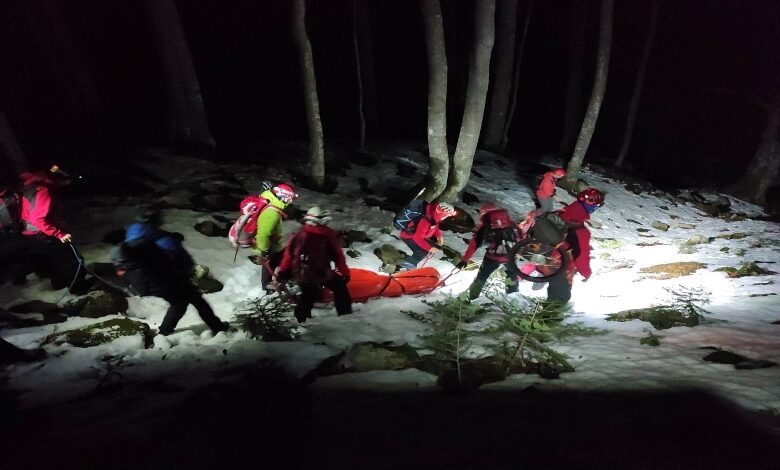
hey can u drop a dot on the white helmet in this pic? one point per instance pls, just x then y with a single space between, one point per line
317 216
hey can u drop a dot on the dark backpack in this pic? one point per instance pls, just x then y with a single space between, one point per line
10 211
310 258
148 269
406 219
500 230
549 228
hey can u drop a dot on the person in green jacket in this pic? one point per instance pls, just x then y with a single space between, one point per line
268 241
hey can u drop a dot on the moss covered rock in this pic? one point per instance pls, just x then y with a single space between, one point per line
204 281
672 270
99 303
102 333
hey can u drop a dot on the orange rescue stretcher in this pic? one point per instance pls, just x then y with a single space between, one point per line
365 284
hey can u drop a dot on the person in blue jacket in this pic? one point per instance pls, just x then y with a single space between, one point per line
153 262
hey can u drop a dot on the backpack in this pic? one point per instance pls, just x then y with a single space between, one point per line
310 261
549 228
148 269
242 232
10 211
406 219
500 231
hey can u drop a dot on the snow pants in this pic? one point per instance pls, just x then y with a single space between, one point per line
411 261
273 262
48 256
559 287
487 268
179 299
310 292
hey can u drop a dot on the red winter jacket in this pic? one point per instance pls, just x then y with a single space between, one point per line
329 249
426 228
546 187
479 237
578 239
36 205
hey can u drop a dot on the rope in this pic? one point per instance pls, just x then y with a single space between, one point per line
83 265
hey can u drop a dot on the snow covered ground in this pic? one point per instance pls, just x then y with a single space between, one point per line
748 306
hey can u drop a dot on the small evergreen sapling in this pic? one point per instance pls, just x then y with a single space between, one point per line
268 318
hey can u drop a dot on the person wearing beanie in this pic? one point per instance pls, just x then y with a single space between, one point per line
307 261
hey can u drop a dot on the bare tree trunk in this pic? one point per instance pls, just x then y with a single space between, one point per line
640 80
479 76
436 180
11 155
187 114
316 143
359 74
597 95
572 112
516 79
366 52
56 44
763 170
503 61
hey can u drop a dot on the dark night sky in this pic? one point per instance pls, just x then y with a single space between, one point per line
709 55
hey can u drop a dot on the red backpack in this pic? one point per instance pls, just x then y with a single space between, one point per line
501 232
242 232
310 258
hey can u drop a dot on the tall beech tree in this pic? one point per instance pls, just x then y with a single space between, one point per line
762 172
572 108
476 94
638 85
597 95
516 78
503 65
306 58
55 42
367 67
438 169
358 74
186 114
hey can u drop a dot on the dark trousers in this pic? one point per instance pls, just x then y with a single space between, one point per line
310 292
273 262
417 253
179 300
48 256
559 287
486 269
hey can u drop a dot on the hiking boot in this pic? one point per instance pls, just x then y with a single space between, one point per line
405 266
224 326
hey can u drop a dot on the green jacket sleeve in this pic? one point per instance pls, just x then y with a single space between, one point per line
269 229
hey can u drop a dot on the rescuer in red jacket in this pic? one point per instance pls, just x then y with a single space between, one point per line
45 239
545 191
307 260
425 237
577 243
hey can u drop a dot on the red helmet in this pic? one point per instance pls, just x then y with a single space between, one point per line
284 192
558 173
591 196
487 207
444 210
